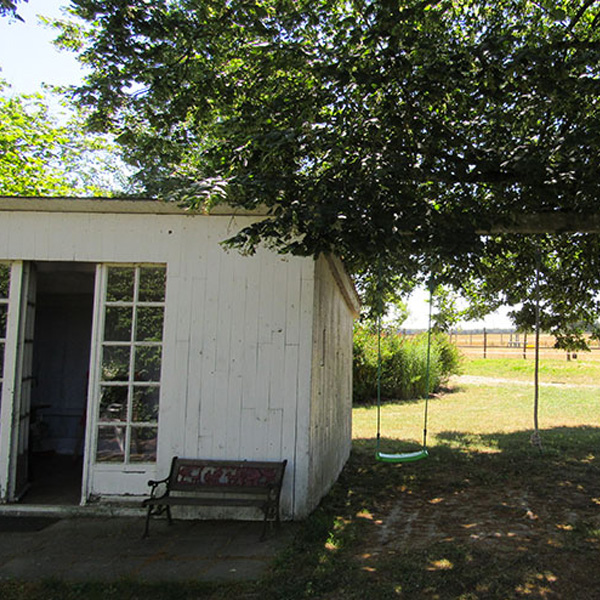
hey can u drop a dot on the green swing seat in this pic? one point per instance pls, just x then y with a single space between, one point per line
402 457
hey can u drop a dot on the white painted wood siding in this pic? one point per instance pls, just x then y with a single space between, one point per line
238 343
330 435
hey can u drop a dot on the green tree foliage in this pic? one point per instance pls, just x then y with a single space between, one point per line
391 132
9 8
39 156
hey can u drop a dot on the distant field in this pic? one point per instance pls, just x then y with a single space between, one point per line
513 345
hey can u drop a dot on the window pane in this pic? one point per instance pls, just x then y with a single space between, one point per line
120 284
4 281
117 327
1 358
145 404
152 284
115 363
147 363
143 444
3 317
111 444
149 323
113 403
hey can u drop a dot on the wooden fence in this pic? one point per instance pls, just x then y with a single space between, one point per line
484 344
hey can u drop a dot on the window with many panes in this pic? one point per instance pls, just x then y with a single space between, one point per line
4 291
130 364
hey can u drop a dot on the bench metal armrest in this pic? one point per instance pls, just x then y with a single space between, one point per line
155 483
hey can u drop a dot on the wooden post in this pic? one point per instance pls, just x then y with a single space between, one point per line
484 342
525 345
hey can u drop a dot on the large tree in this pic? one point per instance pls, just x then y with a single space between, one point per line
393 132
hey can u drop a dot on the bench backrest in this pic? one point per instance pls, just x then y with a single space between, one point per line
190 474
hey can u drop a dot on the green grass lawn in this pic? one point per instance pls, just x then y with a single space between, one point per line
485 517
585 370
479 410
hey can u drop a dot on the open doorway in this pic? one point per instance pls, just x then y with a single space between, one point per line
64 303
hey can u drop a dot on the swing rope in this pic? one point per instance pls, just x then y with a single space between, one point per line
536 439
422 453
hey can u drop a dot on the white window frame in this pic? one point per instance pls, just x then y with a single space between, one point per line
96 383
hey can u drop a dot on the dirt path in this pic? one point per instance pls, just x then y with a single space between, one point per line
477 380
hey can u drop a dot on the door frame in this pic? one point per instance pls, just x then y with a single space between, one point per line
9 418
11 388
90 411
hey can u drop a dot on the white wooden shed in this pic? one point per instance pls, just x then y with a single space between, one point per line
129 335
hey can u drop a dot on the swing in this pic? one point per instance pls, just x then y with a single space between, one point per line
403 457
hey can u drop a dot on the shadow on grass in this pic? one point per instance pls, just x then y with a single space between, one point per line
485 518
575 442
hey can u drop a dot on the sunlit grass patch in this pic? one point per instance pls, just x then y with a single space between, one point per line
583 371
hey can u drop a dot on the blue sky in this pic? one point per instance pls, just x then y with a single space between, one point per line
27 56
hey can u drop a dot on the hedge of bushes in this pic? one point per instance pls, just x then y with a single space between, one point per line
403 364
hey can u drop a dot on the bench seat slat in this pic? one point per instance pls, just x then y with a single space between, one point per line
188 500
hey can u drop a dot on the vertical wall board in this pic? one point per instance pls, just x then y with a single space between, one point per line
267 297
236 370
239 292
293 303
302 456
223 279
289 392
249 330
221 426
274 429
254 431
193 414
209 434
275 396
266 301
172 401
227 294
264 373
233 442
318 366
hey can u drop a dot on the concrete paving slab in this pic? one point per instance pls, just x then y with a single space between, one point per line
112 548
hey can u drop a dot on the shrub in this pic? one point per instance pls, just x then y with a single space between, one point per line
403 364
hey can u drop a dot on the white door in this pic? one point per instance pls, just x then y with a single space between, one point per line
125 379
22 405
18 310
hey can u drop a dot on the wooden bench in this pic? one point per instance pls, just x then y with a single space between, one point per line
198 482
